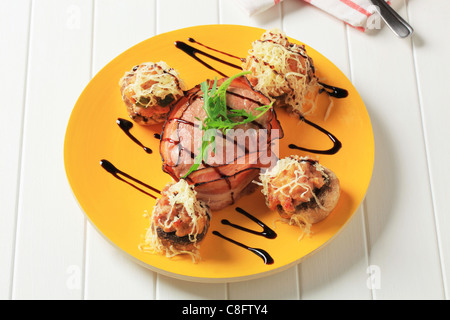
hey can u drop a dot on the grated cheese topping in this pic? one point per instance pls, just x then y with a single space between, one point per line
181 197
283 70
184 194
273 190
153 82
283 165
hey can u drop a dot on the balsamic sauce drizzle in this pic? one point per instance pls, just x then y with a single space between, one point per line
213 49
335 92
126 126
267 232
259 252
191 51
108 166
337 145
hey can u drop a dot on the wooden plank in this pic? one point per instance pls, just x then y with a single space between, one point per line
173 289
280 286
338 271
327 275
50 232
120 25
13 63
431 51
283 285
401 231
110 274
182 15
177 14
229 13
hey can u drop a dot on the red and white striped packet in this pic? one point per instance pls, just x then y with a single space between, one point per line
357 13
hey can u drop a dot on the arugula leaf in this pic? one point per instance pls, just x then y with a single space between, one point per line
218 117
203 154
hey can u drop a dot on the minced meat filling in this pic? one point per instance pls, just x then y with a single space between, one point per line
293 186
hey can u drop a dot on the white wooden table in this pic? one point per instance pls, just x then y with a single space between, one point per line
397 246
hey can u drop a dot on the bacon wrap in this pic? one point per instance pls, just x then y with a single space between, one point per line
227 174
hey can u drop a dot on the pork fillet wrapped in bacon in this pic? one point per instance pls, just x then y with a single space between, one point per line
226 174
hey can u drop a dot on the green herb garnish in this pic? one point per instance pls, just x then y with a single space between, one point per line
218 117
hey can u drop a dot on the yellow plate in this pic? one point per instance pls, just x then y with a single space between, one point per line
117 210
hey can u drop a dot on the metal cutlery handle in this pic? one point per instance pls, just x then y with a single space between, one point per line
394 21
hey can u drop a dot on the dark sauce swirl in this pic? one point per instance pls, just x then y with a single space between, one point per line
334 92
109 167
213 49
267 232
337 145
192 52
126 126
259 252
